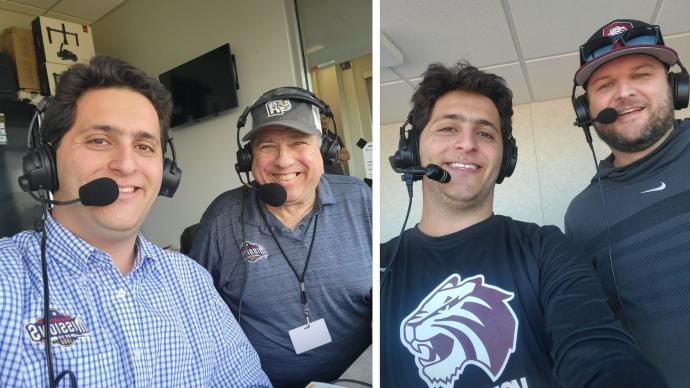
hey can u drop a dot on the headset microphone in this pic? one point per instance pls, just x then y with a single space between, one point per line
271 193
606 116
431 171
98 192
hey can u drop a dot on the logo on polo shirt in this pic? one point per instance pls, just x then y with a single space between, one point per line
64 329
252 252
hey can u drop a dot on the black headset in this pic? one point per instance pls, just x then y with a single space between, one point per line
330 148
40 171
678 82
407 155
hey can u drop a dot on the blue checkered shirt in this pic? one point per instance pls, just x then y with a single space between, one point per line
161 325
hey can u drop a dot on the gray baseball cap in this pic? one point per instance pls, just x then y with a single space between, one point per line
281 111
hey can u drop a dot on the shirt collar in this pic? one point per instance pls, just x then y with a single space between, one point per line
324 193
324 196
70 251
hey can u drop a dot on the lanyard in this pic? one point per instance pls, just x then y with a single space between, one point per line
300 279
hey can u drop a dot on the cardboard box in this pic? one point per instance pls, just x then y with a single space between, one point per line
62 42
49 74
18 43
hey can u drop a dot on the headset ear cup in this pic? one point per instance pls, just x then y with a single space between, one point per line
172 174
414 147
508 160
680 87
39 170
407 155
581 107
330 148
47 153
244 158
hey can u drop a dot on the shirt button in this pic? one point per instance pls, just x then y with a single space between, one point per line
137 354
121 293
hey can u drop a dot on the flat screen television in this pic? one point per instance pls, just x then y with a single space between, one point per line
202 87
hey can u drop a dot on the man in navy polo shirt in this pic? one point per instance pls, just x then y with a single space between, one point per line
298 273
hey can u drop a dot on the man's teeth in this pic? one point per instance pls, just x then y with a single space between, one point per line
462 165
286 177
127 189
629 110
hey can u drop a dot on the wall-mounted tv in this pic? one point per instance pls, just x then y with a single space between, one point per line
202 87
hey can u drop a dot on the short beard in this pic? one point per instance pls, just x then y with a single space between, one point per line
660 122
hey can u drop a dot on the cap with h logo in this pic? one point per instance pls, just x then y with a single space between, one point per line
618 38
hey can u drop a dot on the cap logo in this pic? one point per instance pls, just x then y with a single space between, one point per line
277 107
617 28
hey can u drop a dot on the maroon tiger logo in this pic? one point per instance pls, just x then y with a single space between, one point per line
461 323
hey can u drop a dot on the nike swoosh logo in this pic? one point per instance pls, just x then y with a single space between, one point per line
661 187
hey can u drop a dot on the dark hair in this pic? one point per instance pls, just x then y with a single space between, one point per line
439 80
101 72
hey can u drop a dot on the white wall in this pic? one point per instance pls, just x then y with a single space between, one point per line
554 164
157 35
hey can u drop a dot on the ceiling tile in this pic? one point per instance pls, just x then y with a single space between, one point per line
66 18
20 8
673 17
87 10
515 79
395 102
42 4
547 27
446 32
553 77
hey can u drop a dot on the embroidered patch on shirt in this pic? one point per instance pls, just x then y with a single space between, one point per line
461 323
253 252
64 330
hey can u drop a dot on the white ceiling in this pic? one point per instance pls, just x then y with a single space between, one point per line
76 11
533 44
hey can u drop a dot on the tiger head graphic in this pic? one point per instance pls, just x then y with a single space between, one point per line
460 323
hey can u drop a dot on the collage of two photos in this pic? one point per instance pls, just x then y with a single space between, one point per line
317 193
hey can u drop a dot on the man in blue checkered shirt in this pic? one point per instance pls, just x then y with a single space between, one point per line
123 312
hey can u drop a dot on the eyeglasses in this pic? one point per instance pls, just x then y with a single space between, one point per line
638 36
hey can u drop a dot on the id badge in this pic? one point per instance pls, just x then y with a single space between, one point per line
310 336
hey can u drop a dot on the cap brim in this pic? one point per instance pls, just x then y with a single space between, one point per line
294 124
665 54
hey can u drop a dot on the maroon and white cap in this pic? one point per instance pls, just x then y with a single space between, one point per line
661 52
